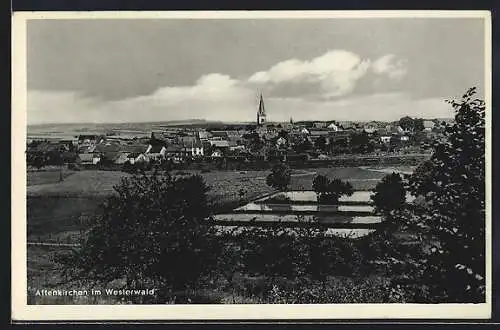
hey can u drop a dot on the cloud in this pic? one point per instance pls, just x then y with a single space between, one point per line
390 66
330 78
213 96
61 106
162 106
335 73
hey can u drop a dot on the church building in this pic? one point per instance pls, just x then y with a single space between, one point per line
261 113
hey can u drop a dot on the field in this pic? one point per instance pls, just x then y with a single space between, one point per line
46 176
58 211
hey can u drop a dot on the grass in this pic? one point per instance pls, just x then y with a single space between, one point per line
44 272
46 177
82 183
52 215
360 179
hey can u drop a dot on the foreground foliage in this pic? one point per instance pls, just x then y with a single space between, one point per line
389 194
152 233
452 268
280 177
329 191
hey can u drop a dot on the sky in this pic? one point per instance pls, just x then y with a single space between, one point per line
141 70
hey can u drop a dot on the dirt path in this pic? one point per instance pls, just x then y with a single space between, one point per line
294 175
388 170
53 244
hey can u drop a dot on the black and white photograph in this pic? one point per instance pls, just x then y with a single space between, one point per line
209 161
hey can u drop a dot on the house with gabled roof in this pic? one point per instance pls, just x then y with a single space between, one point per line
89 158
156 152
429 125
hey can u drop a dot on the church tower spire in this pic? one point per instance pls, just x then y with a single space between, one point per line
261 113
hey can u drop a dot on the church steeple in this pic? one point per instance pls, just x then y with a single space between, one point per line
261 114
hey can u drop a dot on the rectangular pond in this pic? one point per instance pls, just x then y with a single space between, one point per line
353 217
303 208
309 196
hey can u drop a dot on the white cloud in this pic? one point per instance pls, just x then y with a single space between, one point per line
65 108
219 97
214 96
336 72
61 106
390 66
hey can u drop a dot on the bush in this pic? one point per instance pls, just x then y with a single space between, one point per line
329 191
453 185
74 167
279 199
280 252
280 177
389 194
128 167
152 233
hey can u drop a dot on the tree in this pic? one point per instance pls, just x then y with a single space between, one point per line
303 146
418 124
38 161
320 143
411 124
283 133
339 145
155 232
389 194
406 123
329 191
453 185
360 143
280 177
254 141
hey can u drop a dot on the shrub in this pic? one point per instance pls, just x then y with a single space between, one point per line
152 233
453 185
329 191
280 177
389 194
279 199
129 167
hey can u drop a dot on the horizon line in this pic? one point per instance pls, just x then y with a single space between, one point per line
180 122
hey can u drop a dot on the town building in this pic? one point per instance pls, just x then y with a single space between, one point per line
428 125
261 113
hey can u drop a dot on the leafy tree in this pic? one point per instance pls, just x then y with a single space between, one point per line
361 143
129 167
303 146
254 141
418 124
453 185
339 145
331 190
153 232
320 184
38 161
280 177
320 143
406 123
411 124
389 194
283 133
395 142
